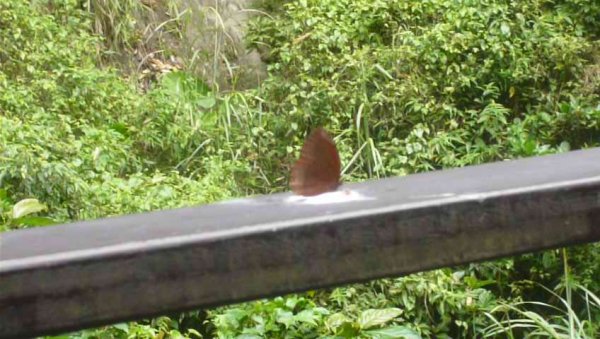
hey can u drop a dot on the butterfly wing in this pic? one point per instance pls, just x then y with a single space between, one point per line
318 169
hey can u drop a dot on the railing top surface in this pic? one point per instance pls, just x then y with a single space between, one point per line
21 248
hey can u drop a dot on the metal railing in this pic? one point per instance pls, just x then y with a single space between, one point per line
68 277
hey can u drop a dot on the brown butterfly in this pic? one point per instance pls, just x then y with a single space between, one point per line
318 169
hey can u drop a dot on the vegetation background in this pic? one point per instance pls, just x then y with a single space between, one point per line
112 107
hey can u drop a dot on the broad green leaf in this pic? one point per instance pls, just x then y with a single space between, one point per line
36 221
183 86
505 28
285 317
307 316
291 302
348 330
207 102
336 320
400 332
194 332
174 334
122 326
26 207
564 146
248 336
372 317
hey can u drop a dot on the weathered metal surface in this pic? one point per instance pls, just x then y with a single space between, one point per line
84 274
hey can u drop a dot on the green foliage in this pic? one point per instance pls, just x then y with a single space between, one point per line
405 86
430 84
299 317
162 327
279 318
83 140
563 321
22 214
585 14
435 303
115 21
412 86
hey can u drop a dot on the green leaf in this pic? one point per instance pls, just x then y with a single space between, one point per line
307 316
122 326
336 320
529 146
120 128
285 317
348 330
181 85
26 207
393 332
473 282
174 334
194 332
36 221
248 336
564 146
505 28
371 318
207 102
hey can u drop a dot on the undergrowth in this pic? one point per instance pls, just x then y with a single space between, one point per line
404 86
